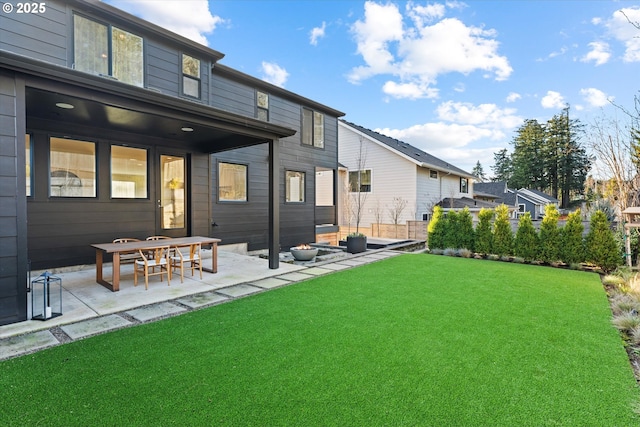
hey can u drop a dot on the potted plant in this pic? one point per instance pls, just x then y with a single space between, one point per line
356 243
303 252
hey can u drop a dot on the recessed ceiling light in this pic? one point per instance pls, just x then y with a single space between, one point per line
187 129
64 105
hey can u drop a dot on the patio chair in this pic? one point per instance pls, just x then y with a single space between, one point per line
127 257
150 258
187 254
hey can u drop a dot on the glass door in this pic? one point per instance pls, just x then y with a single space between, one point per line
172 202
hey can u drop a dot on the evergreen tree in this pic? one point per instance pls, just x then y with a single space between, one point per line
527 240
483 236
550 235
451 239
528 158
502 233
501 166
436 229
478 172
572 249
601 247
465 226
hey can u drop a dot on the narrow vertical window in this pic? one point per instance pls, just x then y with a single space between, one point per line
190 76
72 168
464 185
127 57
312 128
128 173
91 46
318 130
262 106
294 183
29 163
232 182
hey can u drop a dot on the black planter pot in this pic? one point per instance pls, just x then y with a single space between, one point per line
356 244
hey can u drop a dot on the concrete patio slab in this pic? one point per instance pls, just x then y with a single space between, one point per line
295 277
317 271
202 300
271 282
27 343
155 311
94 326
335 266
240 290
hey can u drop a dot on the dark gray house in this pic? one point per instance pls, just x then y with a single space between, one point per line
111 127
523 200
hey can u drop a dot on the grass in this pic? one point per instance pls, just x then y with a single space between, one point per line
413 340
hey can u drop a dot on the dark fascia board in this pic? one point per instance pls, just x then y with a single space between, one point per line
117 16
241 77
41 69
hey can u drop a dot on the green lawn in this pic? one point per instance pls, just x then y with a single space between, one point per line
416 340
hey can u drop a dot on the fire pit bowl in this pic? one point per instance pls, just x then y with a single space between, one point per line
304 252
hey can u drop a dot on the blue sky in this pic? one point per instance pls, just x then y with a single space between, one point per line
455 79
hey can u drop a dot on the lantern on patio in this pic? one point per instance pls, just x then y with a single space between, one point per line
46 297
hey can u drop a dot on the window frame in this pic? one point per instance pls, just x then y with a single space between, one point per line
359 172
431 172
109 50
146 170
310 135
29 190
191 77
287 187
95 169
246 183
262 108
464 185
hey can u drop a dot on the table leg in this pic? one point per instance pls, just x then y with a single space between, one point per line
116 272
214 258
99 272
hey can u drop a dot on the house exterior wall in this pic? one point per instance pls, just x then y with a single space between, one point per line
391 176
429 192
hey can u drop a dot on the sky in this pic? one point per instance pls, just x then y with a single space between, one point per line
455 79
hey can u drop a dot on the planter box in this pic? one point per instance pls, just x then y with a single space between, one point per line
356 244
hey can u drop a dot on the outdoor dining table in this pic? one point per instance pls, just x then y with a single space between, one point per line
117 248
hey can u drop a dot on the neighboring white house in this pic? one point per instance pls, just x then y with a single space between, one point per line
386 169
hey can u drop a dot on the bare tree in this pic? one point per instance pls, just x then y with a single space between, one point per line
398 204
358 186
377 213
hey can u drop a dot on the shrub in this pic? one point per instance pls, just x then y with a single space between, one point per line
502 233
526 242
450 252
483 235
624 303
451 230
626 321
436 229
572 248
465 253
601 247
465 224
550 235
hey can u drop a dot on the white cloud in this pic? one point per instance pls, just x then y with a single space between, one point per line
418 54
599 53
553 100
513 97
189 18
484 115
623 31
317 33
274 74
595 97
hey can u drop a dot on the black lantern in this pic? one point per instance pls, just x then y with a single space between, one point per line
46 297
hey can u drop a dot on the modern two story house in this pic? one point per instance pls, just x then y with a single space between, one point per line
111 126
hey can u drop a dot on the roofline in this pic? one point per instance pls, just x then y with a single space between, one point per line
113 12
236 75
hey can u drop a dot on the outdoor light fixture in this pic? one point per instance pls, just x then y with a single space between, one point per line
64 105
186 129
46 297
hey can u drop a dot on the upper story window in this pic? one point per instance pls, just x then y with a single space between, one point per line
312 128
108 51
262 106
433 174
190 76
464 185
294 187
360 181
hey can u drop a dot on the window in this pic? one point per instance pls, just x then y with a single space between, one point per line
28 164
312 128
360 181
128 173
232 182
72 168
262 106
464 185
108 51
190 76
294 187
521 208
433 174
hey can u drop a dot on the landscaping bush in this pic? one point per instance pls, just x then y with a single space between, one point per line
483 236
550 235
572 248
465 224
451 230
502 234
601 247
436 229
526 243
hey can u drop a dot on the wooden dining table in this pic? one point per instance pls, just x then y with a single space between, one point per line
128 247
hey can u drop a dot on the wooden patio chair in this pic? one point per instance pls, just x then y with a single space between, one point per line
187 255
150 259
127 257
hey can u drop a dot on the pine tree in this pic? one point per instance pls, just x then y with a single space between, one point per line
502 233
527 240
601 247
483 236
436 229
528 160
572 249
451 230
502 169
550 235
478 172
465 226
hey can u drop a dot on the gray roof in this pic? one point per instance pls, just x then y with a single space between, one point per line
544 196
497 188
449 203
409 150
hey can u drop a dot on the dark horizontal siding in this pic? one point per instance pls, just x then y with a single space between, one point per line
163 68
232 96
